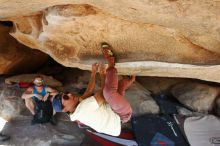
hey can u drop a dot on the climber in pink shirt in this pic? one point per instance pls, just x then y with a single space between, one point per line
107 108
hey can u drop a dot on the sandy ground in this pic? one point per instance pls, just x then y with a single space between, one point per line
65 133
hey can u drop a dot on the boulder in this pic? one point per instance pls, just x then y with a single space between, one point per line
48 80
199 97
141 100
11 104
150 38
217 107
11 107
159 85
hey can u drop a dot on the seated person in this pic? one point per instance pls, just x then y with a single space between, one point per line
39 92
104 111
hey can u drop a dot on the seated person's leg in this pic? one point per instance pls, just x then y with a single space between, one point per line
29 103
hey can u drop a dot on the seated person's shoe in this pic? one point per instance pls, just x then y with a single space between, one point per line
53 121
33 121
4 137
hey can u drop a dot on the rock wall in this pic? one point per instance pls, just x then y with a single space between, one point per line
73 33
15 57
182 37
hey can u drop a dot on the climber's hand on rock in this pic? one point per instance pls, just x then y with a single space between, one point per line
102 70
95 67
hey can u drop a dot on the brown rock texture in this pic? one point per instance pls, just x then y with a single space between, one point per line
15 57
150 37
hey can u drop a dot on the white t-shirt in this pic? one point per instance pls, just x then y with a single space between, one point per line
99 117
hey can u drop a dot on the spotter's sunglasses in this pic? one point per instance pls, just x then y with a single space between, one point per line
38 81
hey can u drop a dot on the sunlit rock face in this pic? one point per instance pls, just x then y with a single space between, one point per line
15 57
11 104
183 34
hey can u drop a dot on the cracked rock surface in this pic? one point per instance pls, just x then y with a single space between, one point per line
150 38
